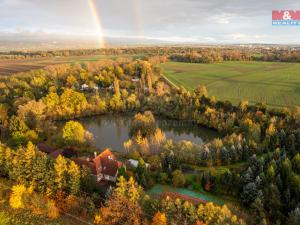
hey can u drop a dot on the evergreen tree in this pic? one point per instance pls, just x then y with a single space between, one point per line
257 210
61 168
74 178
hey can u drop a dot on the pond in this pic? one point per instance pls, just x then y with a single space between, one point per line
111 131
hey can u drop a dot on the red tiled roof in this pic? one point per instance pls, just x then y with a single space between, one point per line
84 161
105 163
56 153
108 162
46 148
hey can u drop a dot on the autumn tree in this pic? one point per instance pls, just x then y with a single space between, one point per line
17 197
32 113
52 102
61 171
73 102
178 178
23 164
73 132
74 178
143 123
159 219
4 218
117 87
123 206
201 91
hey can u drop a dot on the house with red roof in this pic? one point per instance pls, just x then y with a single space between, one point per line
103 166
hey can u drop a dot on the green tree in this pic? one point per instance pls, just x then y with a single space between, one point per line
23 164
74 178
141 173
178 178
4 218
257 208
41 171
61 170
296 163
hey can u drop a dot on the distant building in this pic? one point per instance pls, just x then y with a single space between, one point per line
103 166
111 87
96 88
67 152
134 163
135 79
84 87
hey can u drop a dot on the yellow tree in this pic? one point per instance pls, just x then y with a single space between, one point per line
74 178
23 162
73 132
61 168
16 199
123 207
71 81
117 87
159 219
73 102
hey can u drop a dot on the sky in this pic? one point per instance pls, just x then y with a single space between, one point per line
178 21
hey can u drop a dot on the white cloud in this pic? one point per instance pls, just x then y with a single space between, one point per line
170 20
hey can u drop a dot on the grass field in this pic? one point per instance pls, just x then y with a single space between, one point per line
10 66
277 84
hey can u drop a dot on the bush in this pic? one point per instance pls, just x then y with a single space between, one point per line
178 178
4 218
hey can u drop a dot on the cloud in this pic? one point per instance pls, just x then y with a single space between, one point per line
178 20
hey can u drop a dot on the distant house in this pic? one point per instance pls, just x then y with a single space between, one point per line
96 88
111 87
84 87
134 163
135 79
103 166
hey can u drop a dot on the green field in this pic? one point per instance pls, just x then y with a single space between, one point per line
275 83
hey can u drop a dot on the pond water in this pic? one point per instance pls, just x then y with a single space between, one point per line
111 131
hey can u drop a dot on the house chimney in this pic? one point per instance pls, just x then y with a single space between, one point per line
95 154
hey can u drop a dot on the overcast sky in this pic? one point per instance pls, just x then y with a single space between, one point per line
209 21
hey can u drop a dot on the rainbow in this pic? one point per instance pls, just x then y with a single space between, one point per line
97 20
138 17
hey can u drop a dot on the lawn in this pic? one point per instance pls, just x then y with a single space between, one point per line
275 83
158 190
219 170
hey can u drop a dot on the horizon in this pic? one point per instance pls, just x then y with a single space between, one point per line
179 22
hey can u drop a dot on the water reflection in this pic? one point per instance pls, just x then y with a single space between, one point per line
110 131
